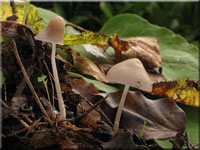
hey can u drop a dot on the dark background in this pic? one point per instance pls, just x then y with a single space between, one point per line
181 17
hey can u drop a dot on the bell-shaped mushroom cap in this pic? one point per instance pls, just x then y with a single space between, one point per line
130 72
54 32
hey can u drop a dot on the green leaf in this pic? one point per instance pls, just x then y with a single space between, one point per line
47 15
59 9
2 79
42 78
106 8
99 85
85 38
179 58
61 53
142 131
165 144
192 115
91 52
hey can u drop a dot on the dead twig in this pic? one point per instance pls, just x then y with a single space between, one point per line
22 122
90 109
35 124
70 126
5 92
3 103
99 110
188 140
76 27
28 80
12 4
14 16
22 84
27 118
193 146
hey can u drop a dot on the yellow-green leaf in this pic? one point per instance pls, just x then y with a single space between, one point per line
34 16
85 38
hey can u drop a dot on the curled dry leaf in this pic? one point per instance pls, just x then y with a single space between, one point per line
145 49
15 30
164 119
183 91
86 66
119 46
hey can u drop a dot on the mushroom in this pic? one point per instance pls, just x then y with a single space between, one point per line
54 33
130 72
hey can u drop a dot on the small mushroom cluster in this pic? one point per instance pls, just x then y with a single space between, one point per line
54 33
130 72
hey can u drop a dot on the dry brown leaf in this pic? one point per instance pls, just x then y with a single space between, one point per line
83 87
164 119
46 138
92 118
145 49
156 77
119 46
88 67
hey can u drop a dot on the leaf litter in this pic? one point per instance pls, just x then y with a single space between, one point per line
164 119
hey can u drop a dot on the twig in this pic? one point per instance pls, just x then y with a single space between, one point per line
31 41
188 140
28 80
99 110
70 126
27 118
25 129
22 84
76 27
22 122
5 92
13 7
90 109
106 55
3 103
193 146
14 16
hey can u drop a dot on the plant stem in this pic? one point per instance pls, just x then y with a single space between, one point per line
28 80
57 83
119 111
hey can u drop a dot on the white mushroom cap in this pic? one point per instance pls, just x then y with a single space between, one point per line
54 32
130 72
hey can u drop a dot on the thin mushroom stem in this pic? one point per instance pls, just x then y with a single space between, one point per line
119 110
57 83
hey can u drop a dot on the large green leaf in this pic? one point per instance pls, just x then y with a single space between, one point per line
179 58
47 15
192 115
